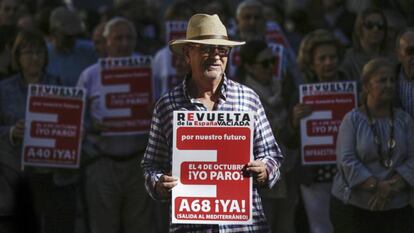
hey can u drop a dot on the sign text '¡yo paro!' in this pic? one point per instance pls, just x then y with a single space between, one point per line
215 175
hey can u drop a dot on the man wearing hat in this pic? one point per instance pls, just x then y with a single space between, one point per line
206 88
68 56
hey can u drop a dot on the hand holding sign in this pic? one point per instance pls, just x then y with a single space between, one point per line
300 111
258 170
165 184
98 126
18 130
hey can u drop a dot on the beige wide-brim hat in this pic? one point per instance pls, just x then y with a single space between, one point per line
204 29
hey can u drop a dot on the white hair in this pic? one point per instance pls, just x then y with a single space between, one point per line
117 20
248 3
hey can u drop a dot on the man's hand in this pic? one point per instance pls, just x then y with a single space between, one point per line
165 184
258 169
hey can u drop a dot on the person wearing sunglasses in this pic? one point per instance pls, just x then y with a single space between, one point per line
113 184
206 88
369 41
319 58
257 71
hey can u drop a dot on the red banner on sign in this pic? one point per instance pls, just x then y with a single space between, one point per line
126 97
209 162
53 122
329 102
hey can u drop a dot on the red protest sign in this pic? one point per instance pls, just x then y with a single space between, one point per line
329 102
53 126
126 94
210 152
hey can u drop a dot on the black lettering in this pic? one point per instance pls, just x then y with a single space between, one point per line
181 116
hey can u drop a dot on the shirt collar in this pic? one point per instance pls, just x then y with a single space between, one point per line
223 88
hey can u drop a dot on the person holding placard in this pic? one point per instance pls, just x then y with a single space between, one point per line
206 88
319 57
114 186
29 58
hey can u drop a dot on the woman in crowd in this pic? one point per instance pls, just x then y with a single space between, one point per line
257 72
375 158
29 57
369 41
319 57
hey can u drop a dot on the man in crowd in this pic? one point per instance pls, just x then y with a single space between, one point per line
251 25
68 56
206 88
115 191
405 53
164 66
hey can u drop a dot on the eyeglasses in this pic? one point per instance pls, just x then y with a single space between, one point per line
222 51
370 25
267 63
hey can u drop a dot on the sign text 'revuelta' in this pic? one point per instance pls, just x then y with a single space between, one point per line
203 116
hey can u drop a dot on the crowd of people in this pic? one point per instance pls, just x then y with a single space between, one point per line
253 55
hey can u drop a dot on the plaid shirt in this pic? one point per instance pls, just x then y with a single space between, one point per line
234 97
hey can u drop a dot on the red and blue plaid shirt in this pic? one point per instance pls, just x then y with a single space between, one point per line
234 97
